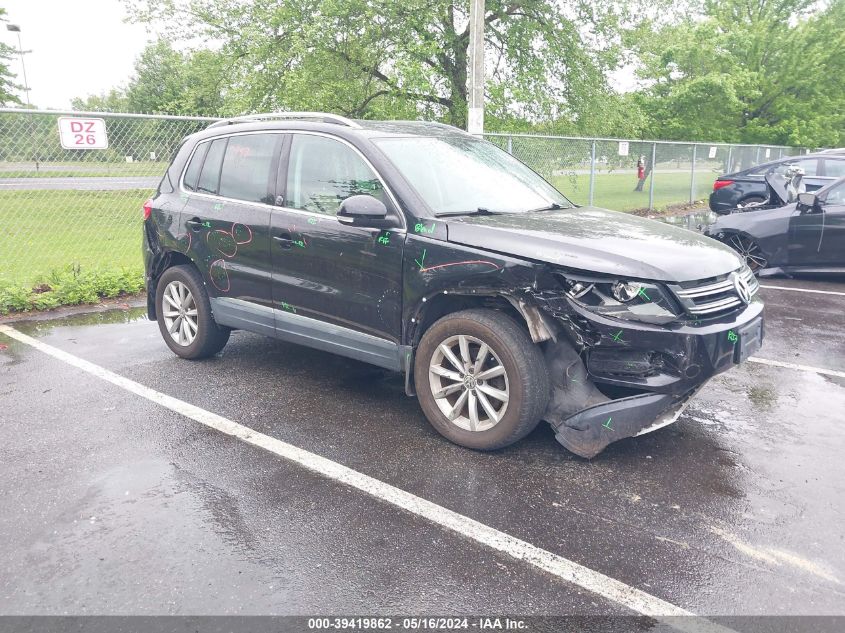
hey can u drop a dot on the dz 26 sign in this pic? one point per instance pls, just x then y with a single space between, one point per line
78 133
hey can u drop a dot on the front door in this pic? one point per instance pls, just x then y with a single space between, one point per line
346 279
230 183
817 236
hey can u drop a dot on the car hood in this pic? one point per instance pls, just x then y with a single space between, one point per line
748 219
598 241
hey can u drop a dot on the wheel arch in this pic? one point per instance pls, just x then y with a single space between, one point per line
520 308
167 259
726 234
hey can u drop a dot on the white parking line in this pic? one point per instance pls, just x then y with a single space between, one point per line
563 568
818 292
815 370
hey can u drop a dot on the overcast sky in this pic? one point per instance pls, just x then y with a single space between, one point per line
78 47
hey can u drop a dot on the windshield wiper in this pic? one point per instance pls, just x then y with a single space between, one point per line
554 206
478 211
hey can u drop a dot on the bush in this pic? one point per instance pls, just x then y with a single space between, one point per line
71 286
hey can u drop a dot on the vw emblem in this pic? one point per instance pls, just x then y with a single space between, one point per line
742 289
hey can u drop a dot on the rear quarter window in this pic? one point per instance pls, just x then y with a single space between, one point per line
192 173
209 178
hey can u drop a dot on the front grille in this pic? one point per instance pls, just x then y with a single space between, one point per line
715 298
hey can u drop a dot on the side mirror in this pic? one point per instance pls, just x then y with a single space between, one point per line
808 201
363 210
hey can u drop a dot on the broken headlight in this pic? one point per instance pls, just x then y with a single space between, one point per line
622 299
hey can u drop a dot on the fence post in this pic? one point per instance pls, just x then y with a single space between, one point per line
592 171
730 159
757 156
692 176
651 183
510 145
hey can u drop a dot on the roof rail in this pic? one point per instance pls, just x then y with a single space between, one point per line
266 116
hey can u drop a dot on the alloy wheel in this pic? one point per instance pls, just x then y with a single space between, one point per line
469 383
749 250
180 313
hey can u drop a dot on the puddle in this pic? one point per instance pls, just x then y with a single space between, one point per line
118 315
692 221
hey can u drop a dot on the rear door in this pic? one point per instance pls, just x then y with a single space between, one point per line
230 184
346 279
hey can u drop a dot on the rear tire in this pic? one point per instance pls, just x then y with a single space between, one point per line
184 314
491 386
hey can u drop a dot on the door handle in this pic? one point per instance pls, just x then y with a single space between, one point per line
285 240
195 223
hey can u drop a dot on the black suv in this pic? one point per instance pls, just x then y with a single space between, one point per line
749 185
424 250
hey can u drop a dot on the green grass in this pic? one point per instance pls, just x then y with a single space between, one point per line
70 286
46 231
616 191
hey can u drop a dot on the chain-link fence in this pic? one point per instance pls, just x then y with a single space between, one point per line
78 207
64 207
625 174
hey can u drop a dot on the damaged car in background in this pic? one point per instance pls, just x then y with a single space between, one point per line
805 235
421 249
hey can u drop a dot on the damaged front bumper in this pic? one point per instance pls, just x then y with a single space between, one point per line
623 379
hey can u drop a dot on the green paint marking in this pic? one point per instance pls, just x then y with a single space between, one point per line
618 337
642 294
312 220
419 227
288 307
207 224
299 243
384 239
218 206
607 424
732 337
421 260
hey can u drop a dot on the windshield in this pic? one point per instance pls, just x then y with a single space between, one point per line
462 175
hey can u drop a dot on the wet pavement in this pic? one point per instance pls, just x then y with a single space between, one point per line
115 505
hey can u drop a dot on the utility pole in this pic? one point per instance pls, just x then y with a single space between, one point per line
475 118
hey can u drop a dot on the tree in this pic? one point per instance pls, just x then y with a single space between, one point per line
389 59
755 71
7 85
167 81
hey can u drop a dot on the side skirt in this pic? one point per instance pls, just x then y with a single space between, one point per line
309 332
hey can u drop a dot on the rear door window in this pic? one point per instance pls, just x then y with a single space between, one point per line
210 175
247 167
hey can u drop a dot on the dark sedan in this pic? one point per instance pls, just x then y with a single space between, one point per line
807 236
743 187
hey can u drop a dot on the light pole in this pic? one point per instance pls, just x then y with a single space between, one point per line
475 118
14 28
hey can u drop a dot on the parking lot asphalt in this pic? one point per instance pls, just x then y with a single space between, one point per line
113 504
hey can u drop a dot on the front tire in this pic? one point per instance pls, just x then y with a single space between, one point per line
749 250
184 314
481 381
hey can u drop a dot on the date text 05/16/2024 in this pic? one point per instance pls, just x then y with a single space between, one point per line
417 624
